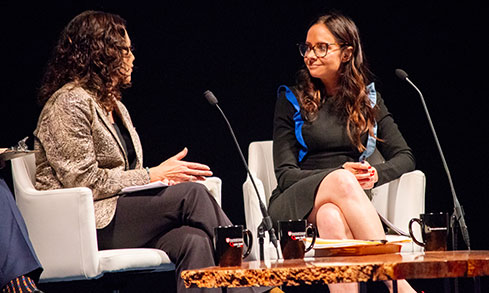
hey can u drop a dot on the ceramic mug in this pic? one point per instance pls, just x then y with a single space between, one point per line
292 234
228 244
434 230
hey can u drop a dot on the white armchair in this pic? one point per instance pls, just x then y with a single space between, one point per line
398 201
61 226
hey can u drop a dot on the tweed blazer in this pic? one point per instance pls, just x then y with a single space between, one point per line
79 147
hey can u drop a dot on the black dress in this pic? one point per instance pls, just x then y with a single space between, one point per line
304 155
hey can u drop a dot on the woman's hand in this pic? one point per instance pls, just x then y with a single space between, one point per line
366 175
174 170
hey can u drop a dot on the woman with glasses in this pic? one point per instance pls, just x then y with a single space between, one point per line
85 138
325 128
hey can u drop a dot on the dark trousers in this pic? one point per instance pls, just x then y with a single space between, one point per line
17 256
179 220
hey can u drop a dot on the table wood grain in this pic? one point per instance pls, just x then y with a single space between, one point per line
326 270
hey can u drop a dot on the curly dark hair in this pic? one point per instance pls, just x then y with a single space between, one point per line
351 101
90 52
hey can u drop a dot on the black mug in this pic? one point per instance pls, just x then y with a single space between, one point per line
292 234
228 243
434 230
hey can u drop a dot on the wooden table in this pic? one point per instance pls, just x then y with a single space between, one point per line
339 269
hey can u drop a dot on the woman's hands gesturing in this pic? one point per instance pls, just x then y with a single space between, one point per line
366 175
174 170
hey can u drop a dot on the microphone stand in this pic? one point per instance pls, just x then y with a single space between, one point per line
266 223
458 213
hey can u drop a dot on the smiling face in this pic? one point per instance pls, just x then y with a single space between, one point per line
325 68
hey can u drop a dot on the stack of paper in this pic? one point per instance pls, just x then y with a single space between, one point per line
333 247
156 184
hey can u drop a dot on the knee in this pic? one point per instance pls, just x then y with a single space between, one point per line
329 215
192 187
343 179
193 191
341 183
330 223
196 238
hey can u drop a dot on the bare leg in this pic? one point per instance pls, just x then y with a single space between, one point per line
343 288
402 286
330 222
359 216
343 211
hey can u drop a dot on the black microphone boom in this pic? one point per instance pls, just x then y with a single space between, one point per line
458 212
267 221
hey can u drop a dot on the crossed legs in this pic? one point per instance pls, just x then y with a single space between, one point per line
179 220
342 210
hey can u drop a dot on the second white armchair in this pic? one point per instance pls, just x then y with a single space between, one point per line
398 201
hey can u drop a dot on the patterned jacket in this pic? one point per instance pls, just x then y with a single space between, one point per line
79 147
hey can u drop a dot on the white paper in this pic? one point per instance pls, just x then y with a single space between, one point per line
151 185
334 243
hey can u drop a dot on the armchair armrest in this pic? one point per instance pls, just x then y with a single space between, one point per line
401 200
70 249
408 199
251 205
254 217
214 185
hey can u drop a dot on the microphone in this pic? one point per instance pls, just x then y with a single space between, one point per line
211 98
458 212
267 220
401 74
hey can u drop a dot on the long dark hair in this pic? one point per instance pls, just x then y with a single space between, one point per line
90 52
350 101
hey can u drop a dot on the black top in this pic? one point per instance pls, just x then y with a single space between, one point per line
329 146
126 141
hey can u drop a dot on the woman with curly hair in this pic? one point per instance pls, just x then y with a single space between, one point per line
324 130
85 138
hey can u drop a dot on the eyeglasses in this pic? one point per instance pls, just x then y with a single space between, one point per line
127 49
320 49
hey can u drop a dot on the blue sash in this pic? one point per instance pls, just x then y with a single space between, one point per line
298 122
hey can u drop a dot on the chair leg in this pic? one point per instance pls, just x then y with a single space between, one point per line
394 286
477 285
362 287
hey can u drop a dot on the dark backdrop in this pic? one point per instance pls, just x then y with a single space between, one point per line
243 50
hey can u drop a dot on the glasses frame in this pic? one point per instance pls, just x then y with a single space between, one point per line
309 47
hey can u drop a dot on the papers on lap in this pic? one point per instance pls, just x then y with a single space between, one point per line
156 184
8 154
336 247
